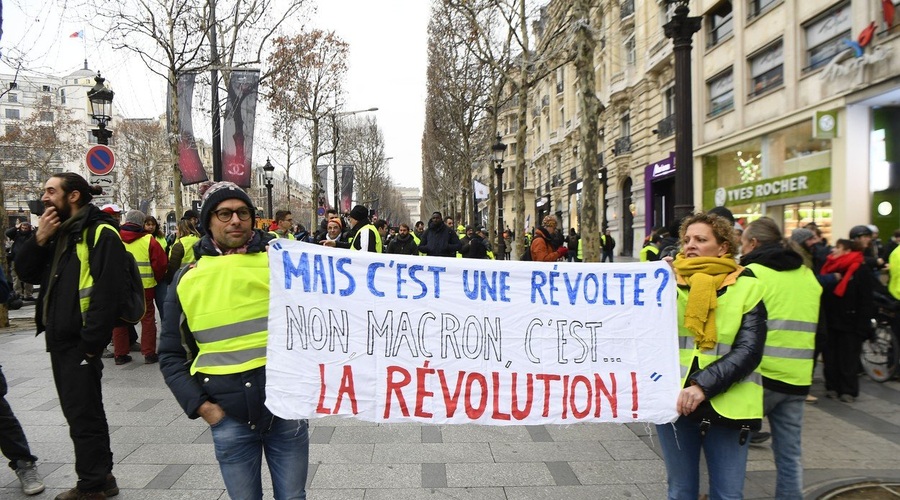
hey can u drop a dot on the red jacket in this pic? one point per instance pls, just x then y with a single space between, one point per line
158 259
541 251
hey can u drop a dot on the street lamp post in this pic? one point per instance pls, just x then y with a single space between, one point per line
100 99
681 30
268 174
499 150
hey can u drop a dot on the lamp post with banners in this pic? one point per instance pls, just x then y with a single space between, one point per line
498 150
681 30
100 98
268 175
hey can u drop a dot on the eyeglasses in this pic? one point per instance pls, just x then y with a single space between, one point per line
225 214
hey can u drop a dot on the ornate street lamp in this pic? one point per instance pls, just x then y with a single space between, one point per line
100 99
268 175
681 30
498 150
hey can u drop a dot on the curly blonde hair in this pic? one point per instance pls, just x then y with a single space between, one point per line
722 229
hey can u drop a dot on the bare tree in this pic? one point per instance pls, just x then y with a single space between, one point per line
304 86
143 154
362 145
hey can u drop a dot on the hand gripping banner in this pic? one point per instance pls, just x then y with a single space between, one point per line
390 338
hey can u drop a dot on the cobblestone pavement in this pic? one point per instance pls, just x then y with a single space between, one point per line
161 454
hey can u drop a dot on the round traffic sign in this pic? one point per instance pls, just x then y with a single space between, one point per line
100 160
321 211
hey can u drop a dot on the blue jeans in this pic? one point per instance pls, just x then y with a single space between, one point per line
239 452
726 460
785 414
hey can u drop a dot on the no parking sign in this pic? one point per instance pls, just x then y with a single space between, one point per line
100 160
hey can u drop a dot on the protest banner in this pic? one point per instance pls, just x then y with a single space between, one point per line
394 338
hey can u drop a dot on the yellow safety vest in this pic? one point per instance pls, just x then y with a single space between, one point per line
646 250
85 280
744 399
140 250
188 243
230 328
792 303
894 283
580 254
162 243
289 236
371 228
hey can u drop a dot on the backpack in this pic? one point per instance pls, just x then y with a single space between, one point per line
527 254
132 307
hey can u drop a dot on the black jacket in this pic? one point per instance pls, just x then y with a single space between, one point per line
403 245
241 395
107 263
440 241
18 238
853 312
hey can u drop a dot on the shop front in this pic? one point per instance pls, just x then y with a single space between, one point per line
659 193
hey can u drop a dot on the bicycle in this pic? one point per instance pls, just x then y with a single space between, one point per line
880 356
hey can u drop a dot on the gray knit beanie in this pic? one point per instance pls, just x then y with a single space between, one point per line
135 217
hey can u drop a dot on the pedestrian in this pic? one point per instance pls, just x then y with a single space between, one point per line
465 239
281 228
182 252
381 226
404 243
546 245
439 240
849 309
572 244
79 282
151 227
219 308
334 232
479 248
792 295
650 252
152 262
17 236
507 244
721 333
361 236
607 245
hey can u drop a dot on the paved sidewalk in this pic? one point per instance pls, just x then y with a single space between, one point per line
161 454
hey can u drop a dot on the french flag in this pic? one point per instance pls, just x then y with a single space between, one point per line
77 34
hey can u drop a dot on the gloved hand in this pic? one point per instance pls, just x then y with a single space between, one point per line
562 251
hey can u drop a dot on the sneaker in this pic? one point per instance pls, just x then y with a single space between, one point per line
111 488
831 394
121 360
135 347
29 477
76 494
846 398
151 358
107 354
760 437
810 399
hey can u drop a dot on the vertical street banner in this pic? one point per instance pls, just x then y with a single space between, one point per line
192 171
237 130
395 338
324 196
346 187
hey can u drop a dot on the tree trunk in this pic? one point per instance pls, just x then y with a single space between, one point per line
314 137
519 228
590 112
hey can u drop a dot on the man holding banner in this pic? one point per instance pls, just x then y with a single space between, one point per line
224 300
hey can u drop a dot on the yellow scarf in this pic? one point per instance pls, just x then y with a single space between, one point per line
704 275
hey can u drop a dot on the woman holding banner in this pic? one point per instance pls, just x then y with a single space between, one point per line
721 333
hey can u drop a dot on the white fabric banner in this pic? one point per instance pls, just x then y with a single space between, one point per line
395 338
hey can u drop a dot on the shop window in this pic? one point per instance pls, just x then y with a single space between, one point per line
767 69
757 8
721 93
720 23
797 215
825 36
62 96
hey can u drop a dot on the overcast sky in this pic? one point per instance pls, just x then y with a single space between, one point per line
386 67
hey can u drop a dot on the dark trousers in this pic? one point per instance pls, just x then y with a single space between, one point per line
842 351
78 386
607 255
12 438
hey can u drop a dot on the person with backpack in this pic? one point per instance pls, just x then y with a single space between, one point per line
78 285
546 246
572 244
152 262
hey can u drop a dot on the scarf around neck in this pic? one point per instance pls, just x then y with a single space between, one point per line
846 264
703 276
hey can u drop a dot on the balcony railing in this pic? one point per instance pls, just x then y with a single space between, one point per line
627 9
622 146
666 126
545 101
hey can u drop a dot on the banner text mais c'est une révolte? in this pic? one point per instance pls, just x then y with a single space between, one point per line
394 338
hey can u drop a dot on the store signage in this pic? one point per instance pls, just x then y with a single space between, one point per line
662 168
825 124
840 66
789 186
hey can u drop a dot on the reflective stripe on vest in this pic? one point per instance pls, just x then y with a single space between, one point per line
85 280
188 242
792 301
743 400
372 230
140 249
225 300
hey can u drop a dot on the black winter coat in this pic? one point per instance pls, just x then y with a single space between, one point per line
107 264
404 246
439 241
